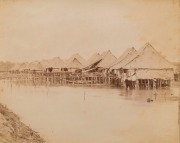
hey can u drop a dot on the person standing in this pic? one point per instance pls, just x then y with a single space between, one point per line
134 80
129 82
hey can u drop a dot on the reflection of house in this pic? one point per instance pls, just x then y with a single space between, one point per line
102 63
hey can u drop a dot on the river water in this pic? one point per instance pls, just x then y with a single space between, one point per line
77 114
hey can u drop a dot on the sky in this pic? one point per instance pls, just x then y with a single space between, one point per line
42 29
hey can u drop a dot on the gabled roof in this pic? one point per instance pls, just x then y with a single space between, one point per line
104 61
24 66
45 63
56 62
35 66
147 58
93 58
78 57
127 54
75 64
107 58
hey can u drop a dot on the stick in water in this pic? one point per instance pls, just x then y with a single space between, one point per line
84 96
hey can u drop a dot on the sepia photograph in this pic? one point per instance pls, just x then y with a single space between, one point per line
89 71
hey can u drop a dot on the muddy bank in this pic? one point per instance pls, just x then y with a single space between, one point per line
12 130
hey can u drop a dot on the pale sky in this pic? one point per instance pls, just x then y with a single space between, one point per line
42 29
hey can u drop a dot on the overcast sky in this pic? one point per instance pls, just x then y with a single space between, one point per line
42 29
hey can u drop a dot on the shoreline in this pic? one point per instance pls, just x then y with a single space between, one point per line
13 130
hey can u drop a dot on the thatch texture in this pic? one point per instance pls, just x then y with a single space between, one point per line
124 57
147 58
93 58
77 57
104 61
75 64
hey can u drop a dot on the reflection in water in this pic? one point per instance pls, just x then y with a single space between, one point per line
86 114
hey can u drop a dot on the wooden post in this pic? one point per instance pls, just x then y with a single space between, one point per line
139 83
160 82
157 83
148 83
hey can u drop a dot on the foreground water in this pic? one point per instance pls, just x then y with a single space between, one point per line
67 114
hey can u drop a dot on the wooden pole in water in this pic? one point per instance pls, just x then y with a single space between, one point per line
84 96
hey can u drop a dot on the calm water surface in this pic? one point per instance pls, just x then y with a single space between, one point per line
67 114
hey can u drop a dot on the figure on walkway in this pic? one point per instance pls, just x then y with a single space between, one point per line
128 82
134 80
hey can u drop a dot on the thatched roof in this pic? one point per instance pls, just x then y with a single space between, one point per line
75 64
56 62
107 58
126 55
78 57
24 66
45 63
35 66
147 58
104 61
93 58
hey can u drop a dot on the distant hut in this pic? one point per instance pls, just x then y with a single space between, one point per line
78 58
16 67
55 64
24 66
150 68
35 66
45 64
58 64
102 63
74 65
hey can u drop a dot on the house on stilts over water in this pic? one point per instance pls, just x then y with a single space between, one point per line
145 68
54 65
36 66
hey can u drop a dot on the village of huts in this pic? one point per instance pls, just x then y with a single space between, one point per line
135 68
